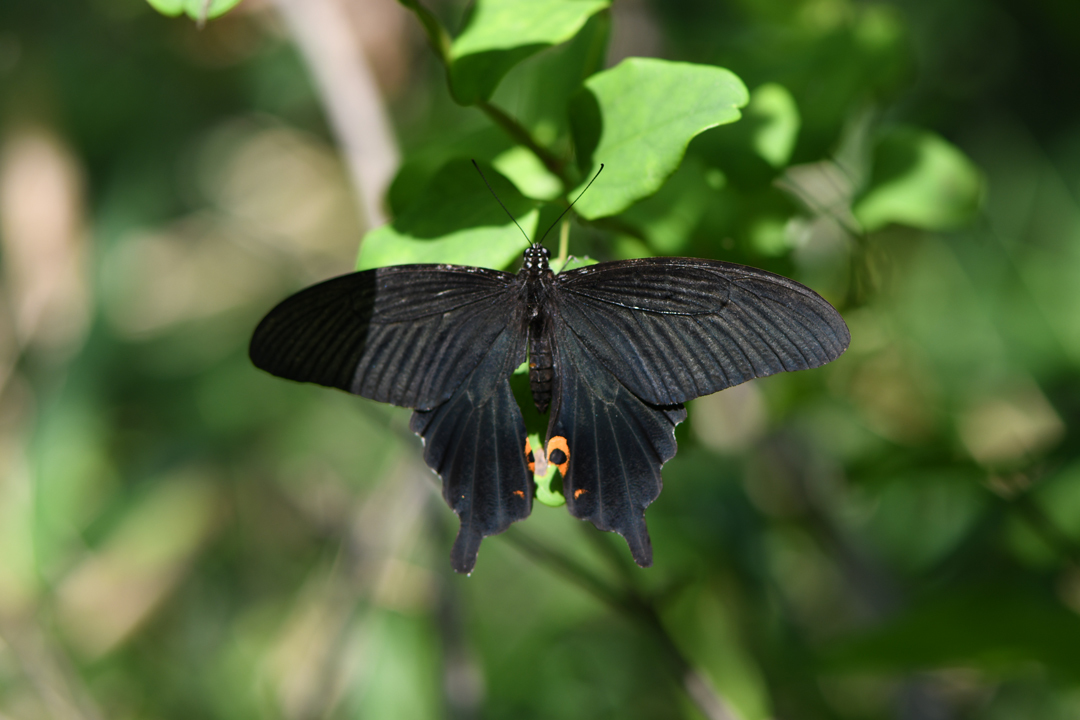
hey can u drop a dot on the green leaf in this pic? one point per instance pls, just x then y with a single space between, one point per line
196 9
638 117
172 8
529 174
668 218
454 220
502 33
539 88
576 262
545 492
921 180
199 9
423 162
436 33
775 117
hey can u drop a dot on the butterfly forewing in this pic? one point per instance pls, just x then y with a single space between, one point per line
672 329
406 335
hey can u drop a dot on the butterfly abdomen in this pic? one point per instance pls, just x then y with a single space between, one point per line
541 370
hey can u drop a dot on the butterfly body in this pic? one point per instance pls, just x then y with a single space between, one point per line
539 279
615 349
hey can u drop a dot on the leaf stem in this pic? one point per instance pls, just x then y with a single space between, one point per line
438 38
520 134
440 42
354 108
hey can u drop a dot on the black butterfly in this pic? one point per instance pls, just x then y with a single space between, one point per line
615 349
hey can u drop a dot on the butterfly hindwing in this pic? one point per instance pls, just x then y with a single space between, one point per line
475 441
406 335
672 329
616 444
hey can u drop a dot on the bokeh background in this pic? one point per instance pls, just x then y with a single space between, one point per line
893 536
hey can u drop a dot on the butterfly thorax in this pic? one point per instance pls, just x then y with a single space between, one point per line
538 277
536 261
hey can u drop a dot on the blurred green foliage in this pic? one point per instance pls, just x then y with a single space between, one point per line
896 535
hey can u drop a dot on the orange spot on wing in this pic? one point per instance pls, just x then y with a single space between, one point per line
520 493
559 443
529 456
579 492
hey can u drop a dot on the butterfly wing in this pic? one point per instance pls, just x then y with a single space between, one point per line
616 444
475 441
636 339
406 335
438 338
672 329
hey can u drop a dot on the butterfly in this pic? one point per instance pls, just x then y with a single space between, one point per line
614 350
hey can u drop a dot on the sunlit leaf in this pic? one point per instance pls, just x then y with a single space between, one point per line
919 179
502 33
539 88
526 171
576 262
172 8
196 9
775 119
455 220
637 119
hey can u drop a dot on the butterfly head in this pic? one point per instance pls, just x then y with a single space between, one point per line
536 259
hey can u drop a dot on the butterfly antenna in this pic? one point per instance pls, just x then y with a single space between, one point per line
541 240
492 191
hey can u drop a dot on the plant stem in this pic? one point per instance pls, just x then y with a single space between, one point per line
350 96
441 43
520 134
564 243
437 36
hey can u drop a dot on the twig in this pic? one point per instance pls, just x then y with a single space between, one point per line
440 43
438 38
354 107
48 672
203 13
520 134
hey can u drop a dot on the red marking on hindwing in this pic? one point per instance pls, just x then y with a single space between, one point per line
559 443
529 457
